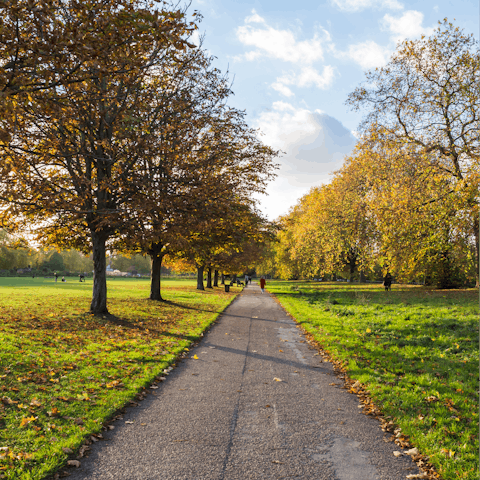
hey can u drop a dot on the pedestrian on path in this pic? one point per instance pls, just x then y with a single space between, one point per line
262 284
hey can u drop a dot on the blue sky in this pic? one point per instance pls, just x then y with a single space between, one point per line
294 63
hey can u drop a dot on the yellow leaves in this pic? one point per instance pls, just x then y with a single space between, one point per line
27 420
368 330
448 453
195 357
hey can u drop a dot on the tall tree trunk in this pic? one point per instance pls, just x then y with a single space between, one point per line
209 277
352 263
156 256
352 270
200 278
222 279
215 278
99 295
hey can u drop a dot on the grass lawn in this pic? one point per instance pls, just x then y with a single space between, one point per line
416 352
64 372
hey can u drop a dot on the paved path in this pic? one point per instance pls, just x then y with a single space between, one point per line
225 417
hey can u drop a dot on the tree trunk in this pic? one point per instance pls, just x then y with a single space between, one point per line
156 274
215 278
200 278
209 278
352 270
99 295
362 277
352 263
222 282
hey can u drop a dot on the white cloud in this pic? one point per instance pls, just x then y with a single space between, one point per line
368 54
314 145
280 44
409 25
282 88
307 77
254 18
356 5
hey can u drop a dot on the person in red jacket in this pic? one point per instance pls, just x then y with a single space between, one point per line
262 284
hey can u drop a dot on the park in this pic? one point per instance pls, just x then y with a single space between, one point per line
156 323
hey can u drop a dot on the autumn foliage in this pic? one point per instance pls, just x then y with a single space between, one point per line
406 200
115 132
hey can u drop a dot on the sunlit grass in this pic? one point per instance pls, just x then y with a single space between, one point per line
64 372
416 350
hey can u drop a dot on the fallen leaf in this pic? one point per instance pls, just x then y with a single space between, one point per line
412 451
67 450
73 463
278 379
195 357
398 454
281 351
27 420
129 421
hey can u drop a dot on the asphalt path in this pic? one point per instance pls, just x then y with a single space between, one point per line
256 404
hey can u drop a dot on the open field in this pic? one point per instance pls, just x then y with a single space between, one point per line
416 352
64 372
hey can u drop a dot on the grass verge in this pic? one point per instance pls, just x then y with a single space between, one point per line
416 352
64 372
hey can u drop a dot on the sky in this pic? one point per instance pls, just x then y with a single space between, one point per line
293 64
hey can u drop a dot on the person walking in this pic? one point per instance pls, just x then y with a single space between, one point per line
262 284
387 282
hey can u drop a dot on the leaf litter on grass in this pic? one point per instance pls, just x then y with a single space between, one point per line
64 373
415 352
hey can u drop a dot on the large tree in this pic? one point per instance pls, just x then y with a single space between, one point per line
70 156
428 97
208 164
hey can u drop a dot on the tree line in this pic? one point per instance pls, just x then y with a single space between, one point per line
406 200
115 134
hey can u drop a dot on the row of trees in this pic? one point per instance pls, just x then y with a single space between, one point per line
406 200
115 134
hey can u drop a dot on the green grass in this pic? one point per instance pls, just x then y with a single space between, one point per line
64 372
415 350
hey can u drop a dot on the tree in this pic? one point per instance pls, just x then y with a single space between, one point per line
420 227
208 163
428 97
73 148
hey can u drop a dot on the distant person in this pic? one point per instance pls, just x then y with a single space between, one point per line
56 276
82 278
63 279
262 284
246 280
387 282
